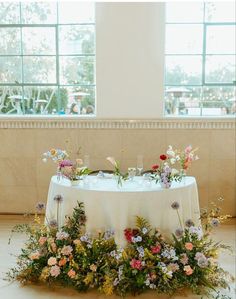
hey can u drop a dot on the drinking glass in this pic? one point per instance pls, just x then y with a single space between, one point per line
86 161
131 173
140 164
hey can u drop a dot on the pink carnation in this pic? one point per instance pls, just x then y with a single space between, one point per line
71 273
42 240
156 249
55 271
136 264
66 250
52 261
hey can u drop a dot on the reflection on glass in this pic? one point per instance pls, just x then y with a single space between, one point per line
183 70
223 11
39 69
184 12
9 12
76 70
39 12
11 100
220 69
182 39
76 39
9 41
220 39
10 69
140 164
78 100
76 12
38 40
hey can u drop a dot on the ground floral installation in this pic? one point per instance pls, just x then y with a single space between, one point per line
72 258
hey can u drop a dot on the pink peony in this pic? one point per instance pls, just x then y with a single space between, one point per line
66 250
189 246
71 273
34 255
156 249
52 261
136 264
188 270
42 240
55 271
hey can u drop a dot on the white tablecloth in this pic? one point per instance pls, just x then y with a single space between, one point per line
110 207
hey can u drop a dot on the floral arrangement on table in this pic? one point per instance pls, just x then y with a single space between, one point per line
173 165
66 167
120 177
71 257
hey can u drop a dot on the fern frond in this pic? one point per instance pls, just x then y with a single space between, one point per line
141 222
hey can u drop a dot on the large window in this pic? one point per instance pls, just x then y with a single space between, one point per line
47 58
200 59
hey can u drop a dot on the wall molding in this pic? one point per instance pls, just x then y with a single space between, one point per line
92 123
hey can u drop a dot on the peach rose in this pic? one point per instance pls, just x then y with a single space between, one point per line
188 270
42 240
71 273
52 261
189 246
62 262
34 255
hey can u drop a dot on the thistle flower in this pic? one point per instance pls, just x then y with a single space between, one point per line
179 232
189 223
40 206
53 223
175 205
58 198
215 222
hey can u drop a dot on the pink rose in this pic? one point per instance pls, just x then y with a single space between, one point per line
136 264
55 271
34 255
66 250
156 249
188 270
189 246
71 273
52 261
42 240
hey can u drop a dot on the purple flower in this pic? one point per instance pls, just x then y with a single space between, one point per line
40 206
65 163
189 223
175 205
58 198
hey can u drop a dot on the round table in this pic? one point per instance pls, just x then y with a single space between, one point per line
108 206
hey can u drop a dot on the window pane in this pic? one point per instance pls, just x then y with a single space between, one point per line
220 11
38 12
80 100
39 69
10 69
183 101
11 100
41 100
220 69
9 41
77 70
9 13
182 39
183 70
76 12
183 12
219 100
220 40
39 41
76 39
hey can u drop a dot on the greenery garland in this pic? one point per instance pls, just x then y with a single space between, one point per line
71 257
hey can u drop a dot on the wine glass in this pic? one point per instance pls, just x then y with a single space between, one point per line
140 164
